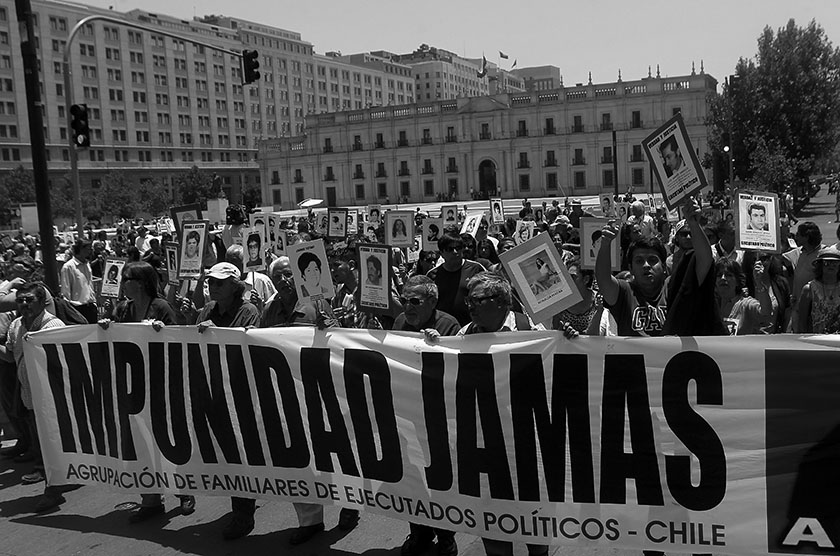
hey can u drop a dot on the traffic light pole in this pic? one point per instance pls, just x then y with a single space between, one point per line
68 93
36 134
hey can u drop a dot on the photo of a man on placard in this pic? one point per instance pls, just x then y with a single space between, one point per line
757 214
672 158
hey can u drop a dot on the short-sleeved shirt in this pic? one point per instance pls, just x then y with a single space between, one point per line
637 316
239 315
444 323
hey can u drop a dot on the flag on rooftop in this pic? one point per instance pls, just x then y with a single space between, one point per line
483 71
502 55
514 65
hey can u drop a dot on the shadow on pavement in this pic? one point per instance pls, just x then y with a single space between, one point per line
203 538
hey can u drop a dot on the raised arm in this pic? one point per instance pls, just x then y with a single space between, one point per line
603 265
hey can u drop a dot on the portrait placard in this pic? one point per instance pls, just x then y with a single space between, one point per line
277 239
497 211
432 232
374 215
449 214
112 277
183 214
675 164
622 211
590 243
192 248
537 272
607 205
524 231
311 269
170 262
399 228
352 222
413 253
321 221
757 221
374 264
336 223
254 255
472 223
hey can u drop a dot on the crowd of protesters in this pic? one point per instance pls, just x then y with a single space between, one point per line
678 277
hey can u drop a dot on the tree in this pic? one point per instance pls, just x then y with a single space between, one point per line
781 106
195 186
252 196
17 187
118 196
63 199
153 197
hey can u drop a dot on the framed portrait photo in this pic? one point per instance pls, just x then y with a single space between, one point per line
374 215
590 243
607 205
171 252
449 214
472 223
336 223
311 269
254 243
112 277
184 213
674 162
524 231
497 211
321 221
537 272
374 263
757 221
192 248
432 232
352 222
399 228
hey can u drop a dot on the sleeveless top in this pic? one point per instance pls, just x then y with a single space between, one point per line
824 307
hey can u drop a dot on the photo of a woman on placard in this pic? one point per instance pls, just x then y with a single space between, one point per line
374 270
112 275
398 230
193 239
254 248
432 233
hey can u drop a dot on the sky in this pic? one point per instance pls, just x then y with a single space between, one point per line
597 36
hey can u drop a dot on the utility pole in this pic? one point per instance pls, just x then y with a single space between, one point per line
36 134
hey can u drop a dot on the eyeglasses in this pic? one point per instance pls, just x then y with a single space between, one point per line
412 300
477 301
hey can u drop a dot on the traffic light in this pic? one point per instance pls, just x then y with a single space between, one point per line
250 65
79 123
726 144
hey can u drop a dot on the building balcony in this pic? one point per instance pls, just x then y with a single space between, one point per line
550 163
381 174
636 125
523 164
451 139
379 145
402 143
606 126
550 131
577 129
329 177
328 149
358 147
298 179
427 141
427 171
404 172
578 161
522 133
358 175
637 158
607 160
452 169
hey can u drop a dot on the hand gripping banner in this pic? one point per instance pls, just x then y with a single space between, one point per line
724 445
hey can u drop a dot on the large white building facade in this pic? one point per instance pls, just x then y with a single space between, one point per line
158 105
526 144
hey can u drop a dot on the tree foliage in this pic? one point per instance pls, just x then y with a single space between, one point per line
195 186
781 107
252 196
153 197
118 196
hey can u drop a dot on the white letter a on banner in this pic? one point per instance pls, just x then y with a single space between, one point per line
807 529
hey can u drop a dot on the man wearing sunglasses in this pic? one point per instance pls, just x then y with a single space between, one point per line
419 298
451 277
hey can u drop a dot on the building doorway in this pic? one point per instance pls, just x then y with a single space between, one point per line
331 200
487 180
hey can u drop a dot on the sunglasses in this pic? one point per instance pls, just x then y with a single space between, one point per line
412 300
477 301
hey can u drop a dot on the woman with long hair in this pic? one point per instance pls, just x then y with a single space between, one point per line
741 313
819 302
579 315
143 304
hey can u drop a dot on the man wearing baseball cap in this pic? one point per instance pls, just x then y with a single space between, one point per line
228 309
